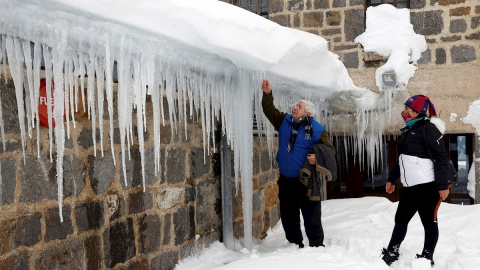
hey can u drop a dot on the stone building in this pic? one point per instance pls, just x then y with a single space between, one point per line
448 72
108 225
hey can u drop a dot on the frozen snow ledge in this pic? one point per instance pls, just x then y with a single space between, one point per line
211 57
389 33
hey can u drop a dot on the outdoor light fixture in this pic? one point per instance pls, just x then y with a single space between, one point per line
389 78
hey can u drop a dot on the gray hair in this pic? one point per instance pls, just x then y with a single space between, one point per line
310 108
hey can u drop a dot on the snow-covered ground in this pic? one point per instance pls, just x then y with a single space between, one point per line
355 232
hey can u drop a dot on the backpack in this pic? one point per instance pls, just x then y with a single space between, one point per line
452 176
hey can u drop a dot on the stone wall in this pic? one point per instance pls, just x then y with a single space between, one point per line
107 224
448 72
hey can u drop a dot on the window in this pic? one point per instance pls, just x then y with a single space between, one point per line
396 3
259 7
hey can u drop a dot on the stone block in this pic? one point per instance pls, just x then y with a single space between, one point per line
39 181
56 229
331 31
139 201
431 40
266 221
8 181
427 23
169 197
24 231
275 217
167 225
9 107
417 4
271 195
119 243
166 135
440 56
257 229
477 9
355 19
451 38
475 36
199 163
334 18
258 201
312 19
85 139
136 264
283 20
426 57
461 11
149 230
296 20
68 255
102 172
256 163
266 164
357 2
462 54
115 206
321 4
175 168
345 47
190 193
275 6
134 168
208 205
15 262
350 60
475 22
458 26
89 216
184 224
165 261
339 3
295 5
93 253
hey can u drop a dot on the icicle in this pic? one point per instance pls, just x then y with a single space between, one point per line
4 54
81 62
58 61
37 55
99 70
109 91
48 77
67 81
90 59
15 61
124 78
29 95
139 101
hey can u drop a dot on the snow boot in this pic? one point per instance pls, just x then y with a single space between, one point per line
389 256
427 255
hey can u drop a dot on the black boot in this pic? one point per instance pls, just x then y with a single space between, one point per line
389 256
427 255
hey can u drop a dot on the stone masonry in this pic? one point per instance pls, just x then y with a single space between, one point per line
107 224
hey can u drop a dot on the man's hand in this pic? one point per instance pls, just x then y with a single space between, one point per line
444 194
311 159
390 188
266 87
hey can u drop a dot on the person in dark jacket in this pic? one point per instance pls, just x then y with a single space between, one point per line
422 167
297 132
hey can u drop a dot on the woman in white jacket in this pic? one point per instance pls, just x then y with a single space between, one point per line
422 167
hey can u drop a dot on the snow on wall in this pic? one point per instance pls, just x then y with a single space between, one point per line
210 58
389 33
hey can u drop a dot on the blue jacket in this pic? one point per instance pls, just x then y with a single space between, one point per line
290 163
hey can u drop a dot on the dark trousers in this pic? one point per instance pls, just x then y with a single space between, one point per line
422 199
292 195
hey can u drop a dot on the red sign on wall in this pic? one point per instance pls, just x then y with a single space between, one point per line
43 104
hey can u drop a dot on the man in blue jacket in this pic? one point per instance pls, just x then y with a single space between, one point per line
297 132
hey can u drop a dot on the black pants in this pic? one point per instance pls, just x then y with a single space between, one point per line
292 195
422 199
